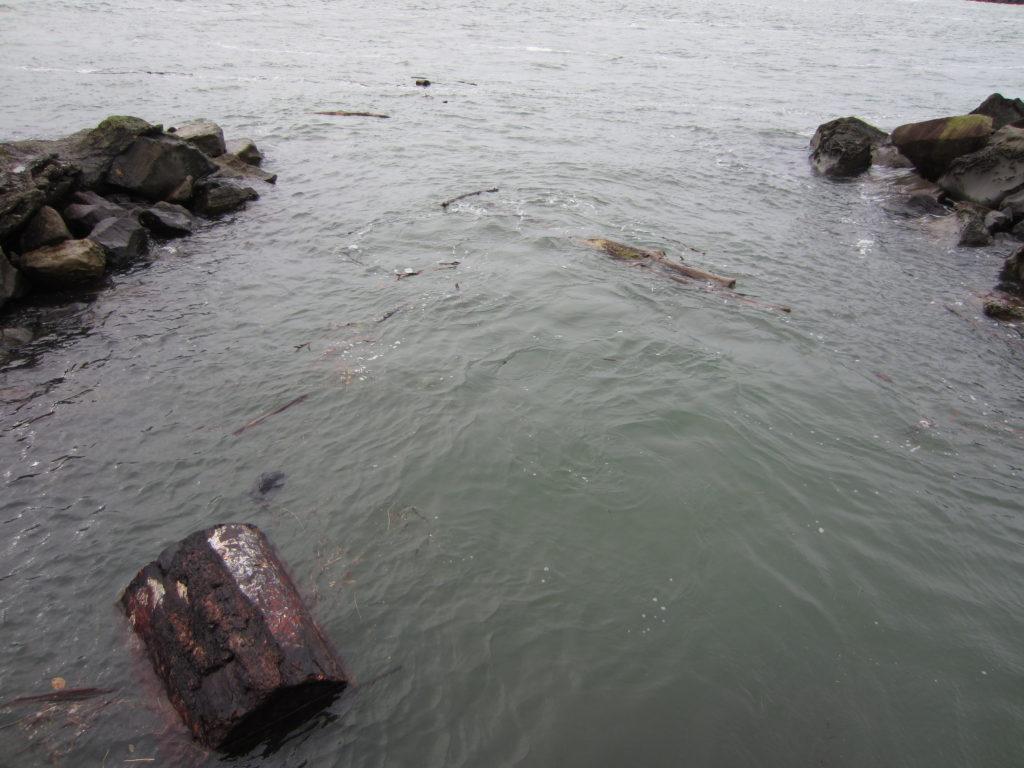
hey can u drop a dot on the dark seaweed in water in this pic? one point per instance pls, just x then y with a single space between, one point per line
266 487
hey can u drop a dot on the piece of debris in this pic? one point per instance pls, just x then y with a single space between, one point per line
266 416
266 487
407 272
645 259
352 114
423 82
240 655
446 203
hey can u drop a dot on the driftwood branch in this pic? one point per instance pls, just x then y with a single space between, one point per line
708 281
446 203
352 114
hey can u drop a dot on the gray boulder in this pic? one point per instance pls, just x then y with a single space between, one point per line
934 144
205 135
843 147
990 174
45 228
31 176
245 151
154 167
88 209
11 284
1013 206
233 167
1003 111
997 221
971 223
1013 269
217 196
123 239
71 263
168 220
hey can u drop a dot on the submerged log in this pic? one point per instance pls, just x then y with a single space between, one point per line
238 651
627 252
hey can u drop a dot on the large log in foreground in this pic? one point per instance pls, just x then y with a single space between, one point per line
239 653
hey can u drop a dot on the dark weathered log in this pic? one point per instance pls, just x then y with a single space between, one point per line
238 651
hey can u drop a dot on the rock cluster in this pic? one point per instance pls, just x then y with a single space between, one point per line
72 209
971 167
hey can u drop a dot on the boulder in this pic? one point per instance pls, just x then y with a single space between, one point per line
988 175
11 284
168 220
1013 206
971 224
94 150
233 167
245 151
71 263
238 651
217 196
45 228
205 135
1003 111
843 147
88 209
12 337
1013 269
123 239
934 144
31 176
154 167
1004 306
997 221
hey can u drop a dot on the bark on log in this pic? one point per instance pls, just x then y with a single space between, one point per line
238 651
628 252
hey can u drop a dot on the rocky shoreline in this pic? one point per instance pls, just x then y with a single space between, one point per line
74 209
969 168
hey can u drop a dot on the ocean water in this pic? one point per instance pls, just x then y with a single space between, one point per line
585 516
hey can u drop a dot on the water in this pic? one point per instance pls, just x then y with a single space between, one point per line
597 518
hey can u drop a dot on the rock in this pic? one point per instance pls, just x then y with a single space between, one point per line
1018 230
886 154
1003 306
168 220
988 175
997 221
45 228
154 167
843 147
233 167
1003 111
31 176
89 209
217 196
11 284
1013 269
13 337
94 150
1013 206
182 193
205 135
971 223
245 151
934 144
123 239
240 655
71 263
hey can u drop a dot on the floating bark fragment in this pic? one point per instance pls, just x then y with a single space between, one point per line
353 114
240 655
646 259
446 203
266 416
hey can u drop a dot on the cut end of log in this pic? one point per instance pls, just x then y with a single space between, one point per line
239 653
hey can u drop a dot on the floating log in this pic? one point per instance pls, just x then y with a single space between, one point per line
626 252
238 651
353 114
709 281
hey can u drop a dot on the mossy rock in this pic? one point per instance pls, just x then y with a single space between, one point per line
932 145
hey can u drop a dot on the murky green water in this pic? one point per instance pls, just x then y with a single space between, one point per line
596 517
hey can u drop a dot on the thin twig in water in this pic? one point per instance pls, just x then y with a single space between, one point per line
446 203
352 114
266 416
